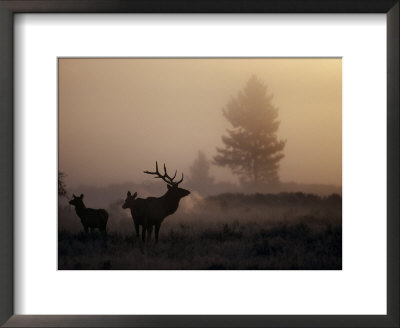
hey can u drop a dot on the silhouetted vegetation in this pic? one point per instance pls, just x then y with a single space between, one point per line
230 231
62 187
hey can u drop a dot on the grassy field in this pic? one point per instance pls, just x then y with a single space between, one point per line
288 231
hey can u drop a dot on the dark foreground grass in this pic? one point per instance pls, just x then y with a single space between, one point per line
300 246
290 231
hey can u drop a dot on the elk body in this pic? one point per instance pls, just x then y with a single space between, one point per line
152 211
90 218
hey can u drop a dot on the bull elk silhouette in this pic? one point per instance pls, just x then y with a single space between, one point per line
90 218
152 211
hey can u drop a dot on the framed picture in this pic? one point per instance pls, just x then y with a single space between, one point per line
273 205
244 214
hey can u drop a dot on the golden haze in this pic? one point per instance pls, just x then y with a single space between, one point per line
118 116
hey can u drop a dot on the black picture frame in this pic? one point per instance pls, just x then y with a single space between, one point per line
10 7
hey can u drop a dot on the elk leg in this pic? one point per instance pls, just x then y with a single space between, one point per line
149 231
105 236
156 230
137 229
144 233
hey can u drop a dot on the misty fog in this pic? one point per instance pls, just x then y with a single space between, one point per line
117 117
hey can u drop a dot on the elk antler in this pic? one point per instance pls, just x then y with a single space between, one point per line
165 177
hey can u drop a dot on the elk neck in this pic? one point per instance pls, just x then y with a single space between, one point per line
170 201
80 209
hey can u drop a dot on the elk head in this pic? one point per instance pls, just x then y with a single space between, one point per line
77 201
130 200
172 185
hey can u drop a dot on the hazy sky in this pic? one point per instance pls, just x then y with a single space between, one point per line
118 116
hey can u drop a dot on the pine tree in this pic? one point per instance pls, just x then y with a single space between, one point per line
252 149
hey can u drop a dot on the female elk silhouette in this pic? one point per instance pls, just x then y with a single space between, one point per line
90 218
134 205
152 211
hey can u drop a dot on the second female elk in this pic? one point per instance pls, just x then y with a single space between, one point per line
90 218
134 205
152 211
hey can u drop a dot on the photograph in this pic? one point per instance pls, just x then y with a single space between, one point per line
199 163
